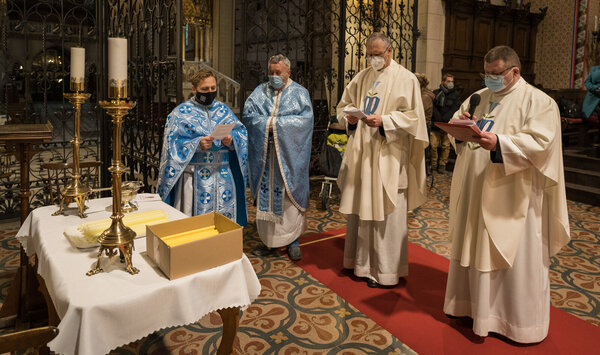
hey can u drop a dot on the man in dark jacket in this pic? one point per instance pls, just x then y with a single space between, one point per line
446 102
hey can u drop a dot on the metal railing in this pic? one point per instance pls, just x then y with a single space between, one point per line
227 88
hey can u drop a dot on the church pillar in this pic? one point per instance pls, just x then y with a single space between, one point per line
223 37
430 45
196 43
207 45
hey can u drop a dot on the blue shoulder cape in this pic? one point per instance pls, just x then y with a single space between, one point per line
292 135
185 126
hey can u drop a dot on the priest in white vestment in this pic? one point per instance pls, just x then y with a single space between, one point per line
279 118
383 171
508 210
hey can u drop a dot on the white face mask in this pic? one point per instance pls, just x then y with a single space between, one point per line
450 85
377 62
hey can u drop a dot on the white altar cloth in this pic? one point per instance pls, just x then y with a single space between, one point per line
101 312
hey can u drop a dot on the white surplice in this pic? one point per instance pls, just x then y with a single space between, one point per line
382 176
379 249
507 219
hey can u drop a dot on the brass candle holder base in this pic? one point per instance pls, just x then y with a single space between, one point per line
117 237
76 190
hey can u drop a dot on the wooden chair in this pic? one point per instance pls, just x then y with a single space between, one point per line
27 339
15 112
59 176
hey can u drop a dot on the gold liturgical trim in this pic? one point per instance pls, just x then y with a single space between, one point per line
77 84
117 89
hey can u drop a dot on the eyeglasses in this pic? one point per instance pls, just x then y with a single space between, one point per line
369 56
495 76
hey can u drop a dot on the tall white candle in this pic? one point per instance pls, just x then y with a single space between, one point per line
77 64
117 61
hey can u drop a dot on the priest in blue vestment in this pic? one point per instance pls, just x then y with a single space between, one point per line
199 174
279 118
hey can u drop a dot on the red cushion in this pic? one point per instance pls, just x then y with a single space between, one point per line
572 120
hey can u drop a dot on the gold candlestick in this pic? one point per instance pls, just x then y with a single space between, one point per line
76 190
117 237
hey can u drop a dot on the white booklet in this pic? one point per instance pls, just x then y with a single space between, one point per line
222 130
354 112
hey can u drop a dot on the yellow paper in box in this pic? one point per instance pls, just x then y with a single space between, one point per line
189 236
136 221
199 250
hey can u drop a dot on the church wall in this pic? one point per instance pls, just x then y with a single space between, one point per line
554 42
430 46
593 17
223 36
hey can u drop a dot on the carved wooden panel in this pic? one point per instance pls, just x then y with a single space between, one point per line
503 32
461 26
483 35
474 27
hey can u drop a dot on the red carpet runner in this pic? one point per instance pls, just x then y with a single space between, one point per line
413 310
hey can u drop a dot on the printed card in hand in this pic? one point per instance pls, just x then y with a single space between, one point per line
354 112
222 130
464 130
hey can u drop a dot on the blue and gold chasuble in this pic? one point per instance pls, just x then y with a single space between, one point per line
278 162
219 173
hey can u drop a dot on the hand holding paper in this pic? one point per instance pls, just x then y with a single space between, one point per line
354 112
488 140
206 142
222 130
227 140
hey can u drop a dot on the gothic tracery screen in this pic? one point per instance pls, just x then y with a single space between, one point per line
324 40
35 41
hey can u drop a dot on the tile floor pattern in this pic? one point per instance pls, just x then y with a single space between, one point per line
295 314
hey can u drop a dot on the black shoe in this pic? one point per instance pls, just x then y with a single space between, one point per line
294 252
372 283
262 250
452 317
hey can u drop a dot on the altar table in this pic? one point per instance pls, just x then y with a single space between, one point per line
101 312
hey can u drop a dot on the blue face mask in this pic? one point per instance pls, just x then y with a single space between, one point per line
275 81
495 84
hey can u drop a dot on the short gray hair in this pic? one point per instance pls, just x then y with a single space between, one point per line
504 53
280 58
379 35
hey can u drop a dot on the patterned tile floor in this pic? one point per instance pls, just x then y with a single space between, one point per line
295 314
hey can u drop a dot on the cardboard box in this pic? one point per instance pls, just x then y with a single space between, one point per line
197 255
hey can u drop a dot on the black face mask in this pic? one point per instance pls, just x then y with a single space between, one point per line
206 98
